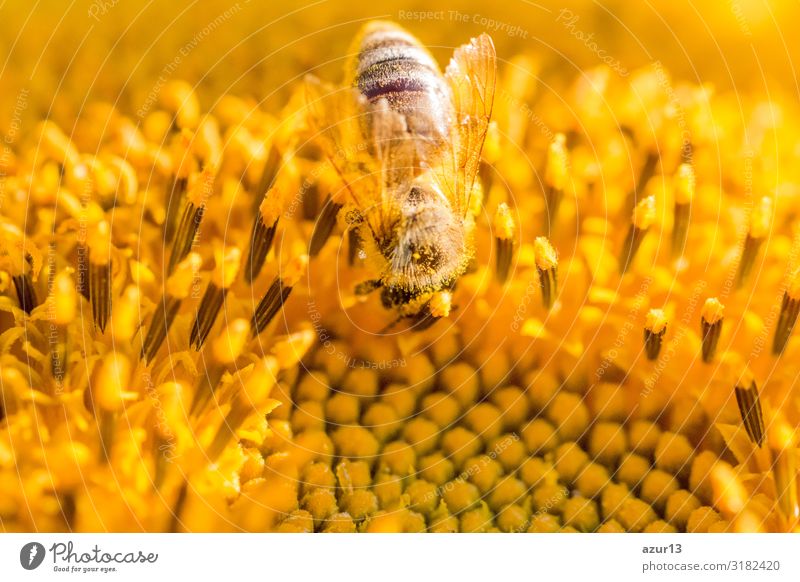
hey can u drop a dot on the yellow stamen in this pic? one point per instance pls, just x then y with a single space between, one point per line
295 270
225 350
266 182
750 407
57 145
730 495
227 268
685 182
191 218
654 329
208 143
178 287
228 346
125 316
203 187
643 217
790 308
760 221
263 232
183 164
108 390
684 193
186 274
711 326
253 396
64 304
99 243
782 441
126 184
110 381
228 259
323 227
761 218
546 260
277 294
505 238
556 175
645 213
169 420
712 311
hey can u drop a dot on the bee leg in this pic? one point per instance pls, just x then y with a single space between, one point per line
389 327
352 221
354 246
423 321
426 318
367 287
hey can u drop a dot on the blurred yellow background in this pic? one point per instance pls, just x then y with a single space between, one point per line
116 50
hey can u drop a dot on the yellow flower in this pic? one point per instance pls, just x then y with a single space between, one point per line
182 347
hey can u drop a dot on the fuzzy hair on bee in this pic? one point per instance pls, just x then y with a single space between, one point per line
406 142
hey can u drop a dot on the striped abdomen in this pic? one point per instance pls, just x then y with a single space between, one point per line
392 64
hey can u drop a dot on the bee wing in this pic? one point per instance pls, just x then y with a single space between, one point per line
471 77
395 151
369 147
335 118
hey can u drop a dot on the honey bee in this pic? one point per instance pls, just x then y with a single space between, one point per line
406 141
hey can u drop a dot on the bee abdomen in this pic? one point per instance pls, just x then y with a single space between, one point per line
392 65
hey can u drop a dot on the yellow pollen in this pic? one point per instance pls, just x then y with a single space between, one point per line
504 226
656 321
544 254
793 285
294 270
645 213
202 189
271 207
441 304
712 310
